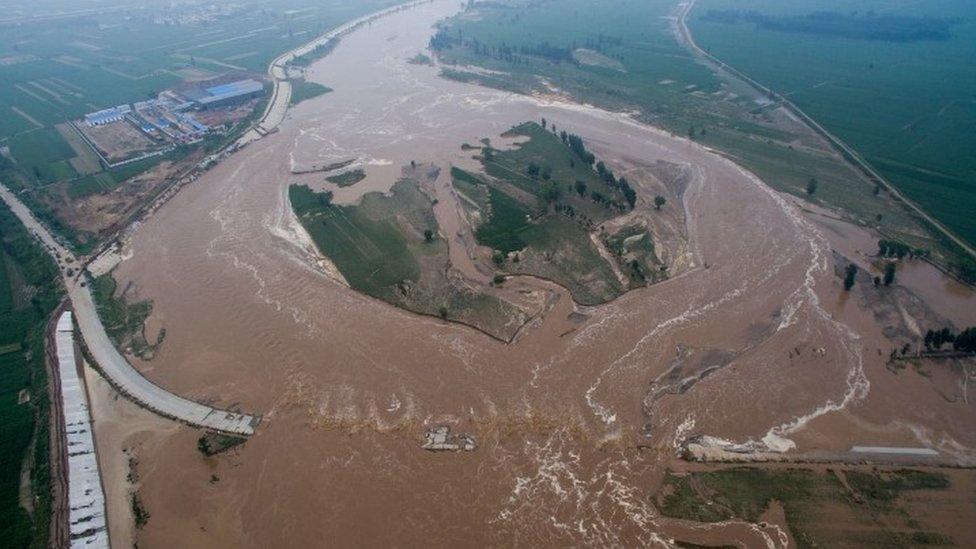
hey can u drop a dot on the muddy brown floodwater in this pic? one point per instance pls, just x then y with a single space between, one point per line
573 432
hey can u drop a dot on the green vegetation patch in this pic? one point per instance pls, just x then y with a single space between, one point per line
914 127
679 499
91 184
655 76
539 203
820 510
888 487
389 247
633 247
29 292
124 319
211 444
302 89
347 179
421 59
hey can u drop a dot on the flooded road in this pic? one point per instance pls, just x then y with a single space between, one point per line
575 422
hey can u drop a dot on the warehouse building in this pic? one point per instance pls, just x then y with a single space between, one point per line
225 94
107 116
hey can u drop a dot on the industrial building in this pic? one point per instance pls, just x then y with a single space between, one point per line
225 94
107 116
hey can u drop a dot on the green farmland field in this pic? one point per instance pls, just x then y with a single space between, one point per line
57 70
29 291
908 106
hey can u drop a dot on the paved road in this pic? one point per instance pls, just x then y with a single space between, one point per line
846 150
113 365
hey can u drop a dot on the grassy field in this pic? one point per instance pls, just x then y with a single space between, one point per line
124 318
634 63
906 105
347 179
301 90
872 510
540 201
29 291
388 247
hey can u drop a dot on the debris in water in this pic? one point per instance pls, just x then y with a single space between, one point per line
440 439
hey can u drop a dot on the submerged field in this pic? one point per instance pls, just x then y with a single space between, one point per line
628 59
832 507
901 96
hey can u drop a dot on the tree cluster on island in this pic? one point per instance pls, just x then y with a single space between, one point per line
964 342
575 143
850 274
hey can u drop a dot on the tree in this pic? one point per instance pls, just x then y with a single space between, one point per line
877 281
549 192
889 273
543 123
630 195
580 188
498 257
659 201
812 185
893 248
849 274
967 270
691 132
532 170
428 235
966 341
601 169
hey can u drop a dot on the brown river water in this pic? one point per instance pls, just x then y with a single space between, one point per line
575 422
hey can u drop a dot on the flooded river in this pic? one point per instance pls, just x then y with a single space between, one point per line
575 422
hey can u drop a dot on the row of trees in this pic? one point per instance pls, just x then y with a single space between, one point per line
575 143
893 248
963 342
887 278
620 184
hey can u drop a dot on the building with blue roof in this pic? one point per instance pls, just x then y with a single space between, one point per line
225 94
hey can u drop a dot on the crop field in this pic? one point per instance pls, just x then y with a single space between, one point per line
383 249
25 269
905 102
87 63
542 38
55 71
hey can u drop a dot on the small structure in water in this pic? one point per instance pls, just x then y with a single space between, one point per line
440 439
